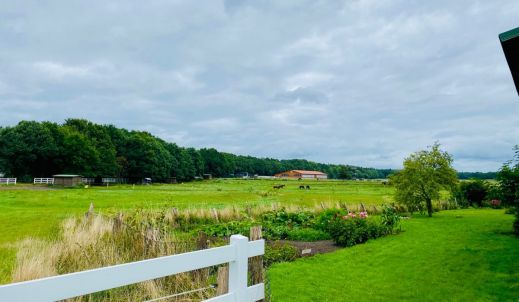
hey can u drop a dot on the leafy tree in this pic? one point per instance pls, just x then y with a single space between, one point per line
77 153
473 191
147 157
27 149
99 138
425 174
345 173
508 179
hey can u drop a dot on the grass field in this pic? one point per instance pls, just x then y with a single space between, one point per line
461 255
37 211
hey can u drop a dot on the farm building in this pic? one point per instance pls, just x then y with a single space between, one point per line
67 180
303 174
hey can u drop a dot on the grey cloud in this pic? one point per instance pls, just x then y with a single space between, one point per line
361 82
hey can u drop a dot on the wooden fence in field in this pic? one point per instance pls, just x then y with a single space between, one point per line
7 181
237 254
48 181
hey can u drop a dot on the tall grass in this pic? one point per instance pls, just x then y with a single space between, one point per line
98 241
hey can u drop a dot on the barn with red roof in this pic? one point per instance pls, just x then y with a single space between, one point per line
302 174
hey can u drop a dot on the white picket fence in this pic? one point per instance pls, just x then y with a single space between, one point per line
48 181
72 285
7 181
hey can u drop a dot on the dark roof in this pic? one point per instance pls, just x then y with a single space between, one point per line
509 35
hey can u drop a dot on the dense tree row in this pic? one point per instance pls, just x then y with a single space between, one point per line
40 149
477 175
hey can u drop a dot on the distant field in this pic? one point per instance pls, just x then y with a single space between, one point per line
460 255
27 210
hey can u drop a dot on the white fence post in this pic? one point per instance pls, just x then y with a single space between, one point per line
238 268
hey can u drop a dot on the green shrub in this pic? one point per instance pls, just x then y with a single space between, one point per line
322 221
516 222
348 231
282 217
276 253
307 234
229 228
275 232
390 218
516 226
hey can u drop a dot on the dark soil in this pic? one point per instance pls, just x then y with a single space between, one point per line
312 247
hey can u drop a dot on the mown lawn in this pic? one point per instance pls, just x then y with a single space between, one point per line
26 212
462 255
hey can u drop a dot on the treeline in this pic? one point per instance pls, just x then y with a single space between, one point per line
41 149
477 175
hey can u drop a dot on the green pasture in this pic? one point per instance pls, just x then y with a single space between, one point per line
27 210
461 255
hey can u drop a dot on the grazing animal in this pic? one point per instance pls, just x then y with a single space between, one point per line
301 187
308 187
278 186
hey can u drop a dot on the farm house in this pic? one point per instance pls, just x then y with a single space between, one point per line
67 180
303 174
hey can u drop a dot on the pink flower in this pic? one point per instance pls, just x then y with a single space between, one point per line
363 214
352 215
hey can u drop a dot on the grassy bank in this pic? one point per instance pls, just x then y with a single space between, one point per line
462 255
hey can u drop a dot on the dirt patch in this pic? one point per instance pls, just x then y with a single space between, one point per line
309 248
26 187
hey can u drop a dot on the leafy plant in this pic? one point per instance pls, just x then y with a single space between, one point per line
350 230
282 217
275 253
307 234
389 217
229 228
323 220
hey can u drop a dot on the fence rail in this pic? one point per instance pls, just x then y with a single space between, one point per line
91 281
7 181
48 181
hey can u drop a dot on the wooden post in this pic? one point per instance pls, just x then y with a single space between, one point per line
222 280
215 215
90 211
118 223
256 263
202 243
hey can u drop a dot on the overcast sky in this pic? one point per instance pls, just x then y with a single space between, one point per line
361 82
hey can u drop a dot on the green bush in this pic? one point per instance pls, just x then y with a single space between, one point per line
276 253
307 234
275 232
282 217
516 222
229 228
322 221
390 218
348 231
516 226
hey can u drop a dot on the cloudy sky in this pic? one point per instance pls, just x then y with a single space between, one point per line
362 82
